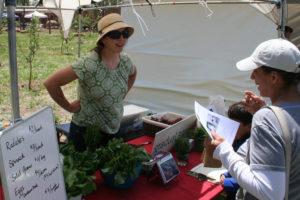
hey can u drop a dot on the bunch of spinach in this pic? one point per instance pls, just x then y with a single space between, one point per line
199 135
93 137
121 160
78 170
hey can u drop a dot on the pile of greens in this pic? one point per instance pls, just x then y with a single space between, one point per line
79 167
182 147
117 158
78 170
121 160
199 135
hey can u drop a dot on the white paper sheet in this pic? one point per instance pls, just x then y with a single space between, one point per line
224 126
209 172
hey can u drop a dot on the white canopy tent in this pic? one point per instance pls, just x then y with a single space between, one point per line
293 20
292 17
65 10
187 56
36 14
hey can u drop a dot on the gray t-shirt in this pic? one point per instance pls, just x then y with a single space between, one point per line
267 144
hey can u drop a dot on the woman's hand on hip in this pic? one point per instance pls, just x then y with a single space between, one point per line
74 107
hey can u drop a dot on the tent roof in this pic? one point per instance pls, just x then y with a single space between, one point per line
36 14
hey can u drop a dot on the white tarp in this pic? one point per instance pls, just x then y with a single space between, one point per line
35 14
65 16
270 11
292 20
186 56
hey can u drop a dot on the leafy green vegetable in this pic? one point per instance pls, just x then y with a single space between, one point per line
78 170
182 147
78 182
199 136
92 137
199 133
121 160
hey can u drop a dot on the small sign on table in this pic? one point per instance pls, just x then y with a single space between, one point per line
165 165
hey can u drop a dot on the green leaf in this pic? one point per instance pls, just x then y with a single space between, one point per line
121 159
105 170
119 178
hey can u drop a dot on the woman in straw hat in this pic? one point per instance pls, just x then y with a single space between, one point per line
276 72
105 76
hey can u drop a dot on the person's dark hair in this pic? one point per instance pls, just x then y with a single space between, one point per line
289 78
99 47
238 112
288 29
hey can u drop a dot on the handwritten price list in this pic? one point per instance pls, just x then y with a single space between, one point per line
31 162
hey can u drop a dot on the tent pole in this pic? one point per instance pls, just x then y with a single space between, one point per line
13 60
156 3
79 30
1 11
283 15
49 20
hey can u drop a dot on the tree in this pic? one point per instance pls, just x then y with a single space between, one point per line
33 46
23 2
66 41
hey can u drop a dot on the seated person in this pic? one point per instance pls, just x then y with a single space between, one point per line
288 32
237 113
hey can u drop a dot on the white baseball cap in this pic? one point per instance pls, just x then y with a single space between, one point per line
275 53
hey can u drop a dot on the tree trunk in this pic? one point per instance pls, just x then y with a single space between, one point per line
30 76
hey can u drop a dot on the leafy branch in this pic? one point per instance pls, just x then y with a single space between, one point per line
33 46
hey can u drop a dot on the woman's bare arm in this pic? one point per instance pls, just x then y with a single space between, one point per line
54 83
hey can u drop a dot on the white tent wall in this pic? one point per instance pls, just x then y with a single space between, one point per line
293 20
187 56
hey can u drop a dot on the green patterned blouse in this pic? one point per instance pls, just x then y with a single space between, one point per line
101 91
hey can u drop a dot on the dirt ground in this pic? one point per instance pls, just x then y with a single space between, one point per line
30 102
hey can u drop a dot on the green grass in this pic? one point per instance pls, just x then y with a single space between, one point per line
47 60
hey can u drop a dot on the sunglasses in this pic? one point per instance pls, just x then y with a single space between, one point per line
117 34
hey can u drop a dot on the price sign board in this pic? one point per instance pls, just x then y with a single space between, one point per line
29 159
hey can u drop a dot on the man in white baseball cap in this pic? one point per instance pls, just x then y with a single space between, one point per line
276 72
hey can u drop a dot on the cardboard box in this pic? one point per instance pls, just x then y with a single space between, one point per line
131 124
132 114
152 126
165 139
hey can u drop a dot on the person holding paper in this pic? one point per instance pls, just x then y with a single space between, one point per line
237 113
105 75
276 72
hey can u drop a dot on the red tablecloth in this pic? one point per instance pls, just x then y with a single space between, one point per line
183 187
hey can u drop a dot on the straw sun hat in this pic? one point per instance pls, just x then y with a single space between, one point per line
112 22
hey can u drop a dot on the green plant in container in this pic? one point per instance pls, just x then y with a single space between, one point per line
182 147
199 136
120 163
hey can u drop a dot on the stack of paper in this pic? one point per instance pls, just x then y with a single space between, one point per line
207 173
